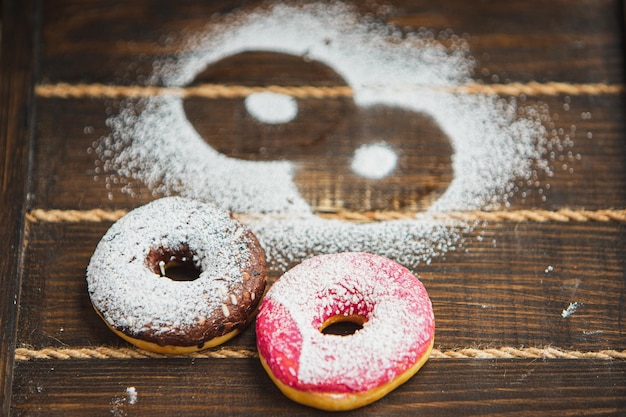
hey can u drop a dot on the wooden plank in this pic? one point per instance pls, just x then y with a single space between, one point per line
521 41
114 42
507 286
444 387
602 160
16 66
594 176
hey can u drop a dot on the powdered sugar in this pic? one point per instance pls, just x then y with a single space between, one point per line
130 296
131 394
409 242
374 161
398 330
271 107
496 142
160 148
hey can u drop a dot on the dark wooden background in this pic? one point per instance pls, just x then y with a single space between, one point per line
492 296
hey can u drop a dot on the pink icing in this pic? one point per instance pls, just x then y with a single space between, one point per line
399 328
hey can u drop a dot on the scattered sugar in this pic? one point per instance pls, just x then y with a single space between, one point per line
374 161
409 242
571 309
158 147
272 108
131 395
499 146
118 403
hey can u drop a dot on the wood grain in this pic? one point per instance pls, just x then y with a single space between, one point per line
66 176
18 31
494 291
563 41
505 287
239 387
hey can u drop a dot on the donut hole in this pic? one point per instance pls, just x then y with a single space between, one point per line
175 264
181 271
343 325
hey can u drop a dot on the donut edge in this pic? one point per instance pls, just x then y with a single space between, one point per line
177 350
180 349
257 272
333 401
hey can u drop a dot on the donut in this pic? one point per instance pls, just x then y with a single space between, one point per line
131 287
333 372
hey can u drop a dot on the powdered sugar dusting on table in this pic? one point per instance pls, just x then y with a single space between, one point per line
497 143
272 108
399 327
374 161
130 296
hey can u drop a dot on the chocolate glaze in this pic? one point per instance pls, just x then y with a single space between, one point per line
217 324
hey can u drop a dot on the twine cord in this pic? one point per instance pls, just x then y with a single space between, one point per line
102 352
539 216
214 91
66 90
74 216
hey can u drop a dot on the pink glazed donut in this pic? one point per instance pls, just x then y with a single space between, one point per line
334 372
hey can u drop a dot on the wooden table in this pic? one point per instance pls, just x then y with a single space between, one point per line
530 309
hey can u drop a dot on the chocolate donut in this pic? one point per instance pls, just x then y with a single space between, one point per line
130 289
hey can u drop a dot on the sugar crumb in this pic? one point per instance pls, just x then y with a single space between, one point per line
131 395
571 309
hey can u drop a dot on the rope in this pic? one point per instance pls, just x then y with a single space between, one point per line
519 216
25 354
534 88
527 353
213 91
539 216
102 352
74 216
